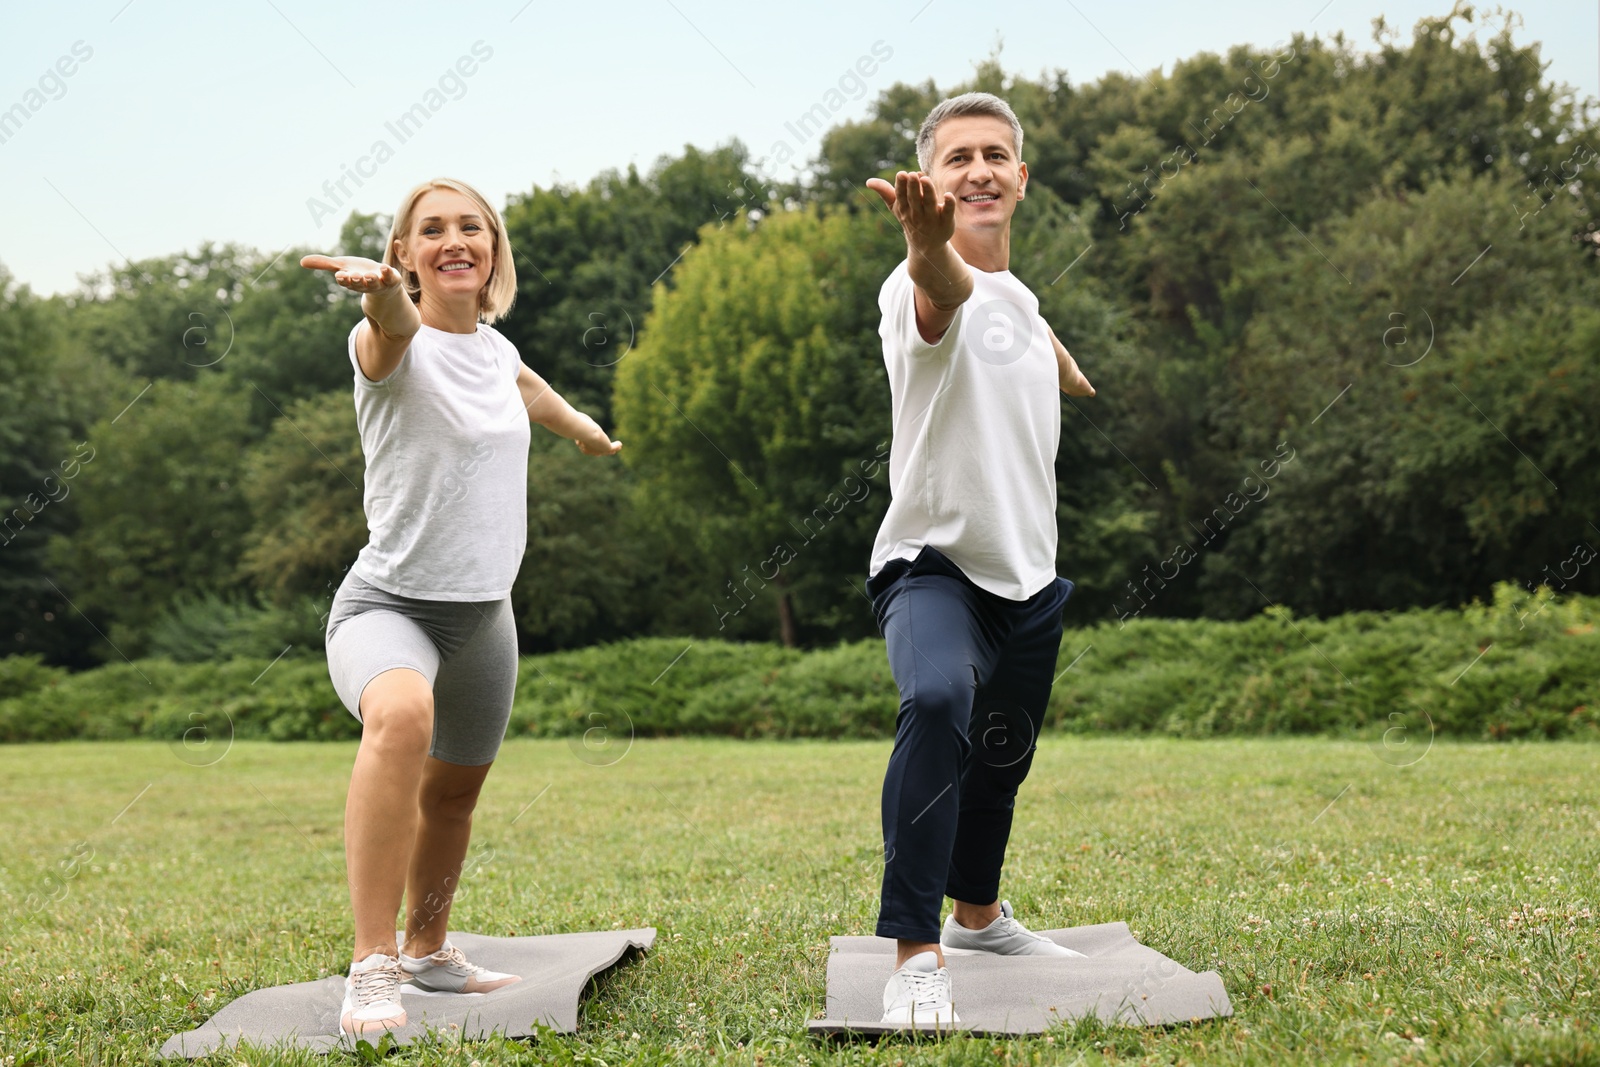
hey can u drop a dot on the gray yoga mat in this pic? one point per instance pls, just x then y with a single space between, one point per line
556 968
1121 981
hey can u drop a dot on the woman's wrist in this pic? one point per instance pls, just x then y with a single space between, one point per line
392 309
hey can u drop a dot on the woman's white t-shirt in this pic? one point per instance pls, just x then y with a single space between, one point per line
977 420
446 442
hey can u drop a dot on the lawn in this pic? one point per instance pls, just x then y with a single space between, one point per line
1361 907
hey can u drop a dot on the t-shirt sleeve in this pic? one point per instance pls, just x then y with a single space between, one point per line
898 303
508 353
355 362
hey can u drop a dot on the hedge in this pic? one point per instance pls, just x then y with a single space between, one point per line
1524 666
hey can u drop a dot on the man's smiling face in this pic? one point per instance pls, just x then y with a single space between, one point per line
975 157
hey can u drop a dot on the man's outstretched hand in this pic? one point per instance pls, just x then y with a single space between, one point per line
1072 381
927 218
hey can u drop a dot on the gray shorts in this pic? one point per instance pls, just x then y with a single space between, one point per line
466 651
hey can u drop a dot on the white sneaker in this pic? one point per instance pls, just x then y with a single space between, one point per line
447 971
372 996
1005 936
919 992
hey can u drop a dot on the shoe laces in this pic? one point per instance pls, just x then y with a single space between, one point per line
926 988
456 960
1007 925
375 984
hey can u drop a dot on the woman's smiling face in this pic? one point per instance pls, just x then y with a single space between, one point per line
450 246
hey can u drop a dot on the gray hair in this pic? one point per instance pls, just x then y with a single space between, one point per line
957 107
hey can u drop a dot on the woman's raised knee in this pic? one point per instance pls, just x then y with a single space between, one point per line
397 711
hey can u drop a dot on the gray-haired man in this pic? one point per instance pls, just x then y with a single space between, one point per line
963 570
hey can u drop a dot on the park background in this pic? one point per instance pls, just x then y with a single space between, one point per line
1337 299
1337 295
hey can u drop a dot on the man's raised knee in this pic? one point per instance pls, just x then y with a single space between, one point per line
943 707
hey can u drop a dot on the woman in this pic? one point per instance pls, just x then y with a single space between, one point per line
421 646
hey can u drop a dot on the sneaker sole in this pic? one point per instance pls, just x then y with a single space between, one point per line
936 1022
411 985
948 951
362 1028
951 950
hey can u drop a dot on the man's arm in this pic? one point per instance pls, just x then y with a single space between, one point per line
1073 383
943 282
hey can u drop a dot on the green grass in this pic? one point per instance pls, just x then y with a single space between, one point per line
1359 912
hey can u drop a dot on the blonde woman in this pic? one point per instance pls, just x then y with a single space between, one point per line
420 641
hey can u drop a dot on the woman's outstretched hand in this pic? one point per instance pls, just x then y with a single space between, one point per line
593 441
355 273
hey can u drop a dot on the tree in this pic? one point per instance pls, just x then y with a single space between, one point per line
165 317
586 562
1106 510
587 259
756 417
42 455
303 484
160 506
289 329
1456 455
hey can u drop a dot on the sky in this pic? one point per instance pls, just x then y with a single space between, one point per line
143 128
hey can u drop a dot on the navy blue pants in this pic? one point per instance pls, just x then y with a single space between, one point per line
974 671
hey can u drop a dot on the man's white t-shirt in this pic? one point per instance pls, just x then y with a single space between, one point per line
446 441
977 420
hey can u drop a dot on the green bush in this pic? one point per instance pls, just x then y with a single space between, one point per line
845 691
291 699
643 686
208 627
26 674
1524 666
1538 675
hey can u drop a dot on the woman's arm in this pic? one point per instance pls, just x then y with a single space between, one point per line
547 408
392 319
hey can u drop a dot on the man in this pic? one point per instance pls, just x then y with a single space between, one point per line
963 570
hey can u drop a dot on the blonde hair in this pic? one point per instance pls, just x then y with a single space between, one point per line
500 291
957 107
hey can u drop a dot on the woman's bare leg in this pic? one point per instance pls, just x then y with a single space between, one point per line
446 799
380 815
